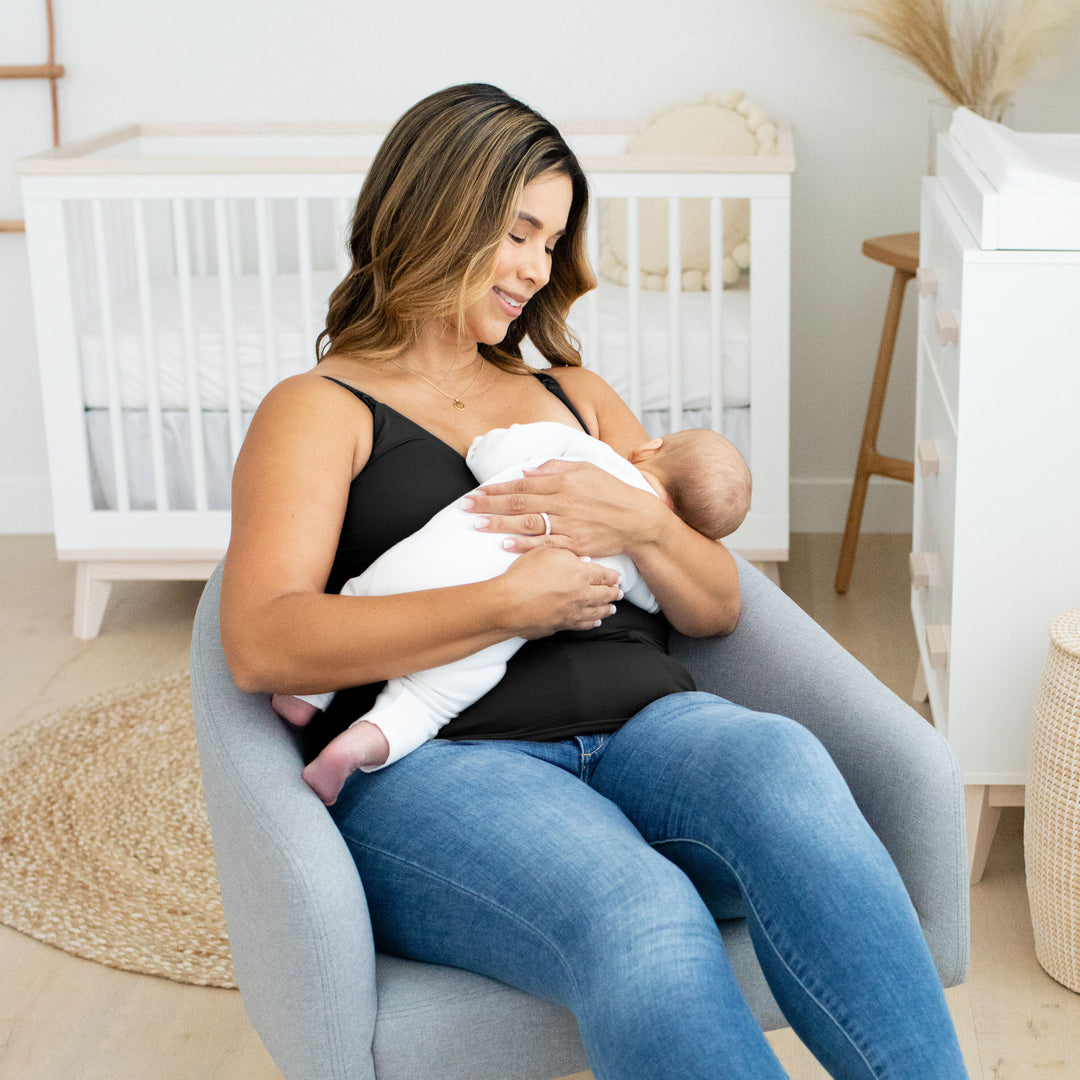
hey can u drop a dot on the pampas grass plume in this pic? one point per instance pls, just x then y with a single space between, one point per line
1030 33
976 52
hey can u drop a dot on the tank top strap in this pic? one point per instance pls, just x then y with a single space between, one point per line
550 383
547 381
367 399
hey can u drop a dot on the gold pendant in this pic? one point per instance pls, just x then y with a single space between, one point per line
459 404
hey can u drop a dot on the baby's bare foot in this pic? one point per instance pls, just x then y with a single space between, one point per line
362 744
297 711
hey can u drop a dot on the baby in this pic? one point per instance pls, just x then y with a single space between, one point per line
701 476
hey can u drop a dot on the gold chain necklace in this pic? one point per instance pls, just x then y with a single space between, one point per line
458 403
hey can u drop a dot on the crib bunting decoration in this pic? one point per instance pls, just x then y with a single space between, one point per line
715 125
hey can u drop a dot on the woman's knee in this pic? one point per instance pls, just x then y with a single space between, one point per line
709 772
649 926
701 736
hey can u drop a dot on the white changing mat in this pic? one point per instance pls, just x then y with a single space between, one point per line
1018 162
165 350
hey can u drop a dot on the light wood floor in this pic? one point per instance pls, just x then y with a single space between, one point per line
62 1018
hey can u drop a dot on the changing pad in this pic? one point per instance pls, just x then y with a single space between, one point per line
1017 162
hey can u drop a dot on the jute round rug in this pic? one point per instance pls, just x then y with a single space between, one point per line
104 844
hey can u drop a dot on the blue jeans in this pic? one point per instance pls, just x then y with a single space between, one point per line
591 872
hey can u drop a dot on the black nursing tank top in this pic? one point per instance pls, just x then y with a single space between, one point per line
571 683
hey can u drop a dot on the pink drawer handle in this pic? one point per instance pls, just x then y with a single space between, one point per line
927 453
937 645
948 329
926 281
920 570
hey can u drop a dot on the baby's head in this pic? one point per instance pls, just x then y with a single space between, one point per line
705 479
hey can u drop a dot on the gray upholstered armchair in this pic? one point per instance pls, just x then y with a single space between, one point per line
327 1006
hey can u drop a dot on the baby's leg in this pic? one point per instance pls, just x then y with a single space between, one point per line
294 709
361 744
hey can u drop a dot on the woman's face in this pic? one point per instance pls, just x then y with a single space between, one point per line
523 265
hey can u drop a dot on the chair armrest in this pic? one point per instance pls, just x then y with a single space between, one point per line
902 772
298 923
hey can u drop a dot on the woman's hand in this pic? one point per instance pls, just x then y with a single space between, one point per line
595 514
591 512
550 590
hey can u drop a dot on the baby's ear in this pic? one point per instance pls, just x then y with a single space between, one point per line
645 451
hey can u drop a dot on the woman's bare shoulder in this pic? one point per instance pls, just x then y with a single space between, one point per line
579 379
605 413
312 410
312 388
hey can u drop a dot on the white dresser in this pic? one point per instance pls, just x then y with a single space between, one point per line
996 550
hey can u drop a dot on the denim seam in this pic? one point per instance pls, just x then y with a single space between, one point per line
585 756
483 899
596 750
768 937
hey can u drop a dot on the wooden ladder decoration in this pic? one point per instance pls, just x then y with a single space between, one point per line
50 70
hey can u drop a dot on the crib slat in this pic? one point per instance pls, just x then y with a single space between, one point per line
716 313
595 359
228 325
304 265
674 302
633 296
153 389
342 222
202 258
80 233
266 288
191 362
235 250
112 379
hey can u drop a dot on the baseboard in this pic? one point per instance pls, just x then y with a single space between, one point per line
821 505
25 505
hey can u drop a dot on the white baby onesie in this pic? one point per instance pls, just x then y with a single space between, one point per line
449 550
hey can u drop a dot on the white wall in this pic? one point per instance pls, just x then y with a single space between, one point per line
860 118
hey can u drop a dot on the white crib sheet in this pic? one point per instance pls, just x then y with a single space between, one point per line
177 457
294 345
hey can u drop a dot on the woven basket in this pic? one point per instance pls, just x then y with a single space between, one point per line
1052 817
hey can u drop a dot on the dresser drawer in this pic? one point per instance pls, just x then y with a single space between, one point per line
939 283
933 528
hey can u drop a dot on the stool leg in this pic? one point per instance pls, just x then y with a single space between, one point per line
870 461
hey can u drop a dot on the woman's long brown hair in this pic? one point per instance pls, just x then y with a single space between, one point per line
440 196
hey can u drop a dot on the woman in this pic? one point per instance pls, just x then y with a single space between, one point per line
576 832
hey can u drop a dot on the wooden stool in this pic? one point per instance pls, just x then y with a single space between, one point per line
900 251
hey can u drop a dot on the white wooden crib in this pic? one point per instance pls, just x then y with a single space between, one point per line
179 271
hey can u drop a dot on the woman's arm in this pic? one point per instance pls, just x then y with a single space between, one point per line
282 633
694 579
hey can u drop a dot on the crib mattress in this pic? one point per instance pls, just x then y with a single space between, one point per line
160 349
